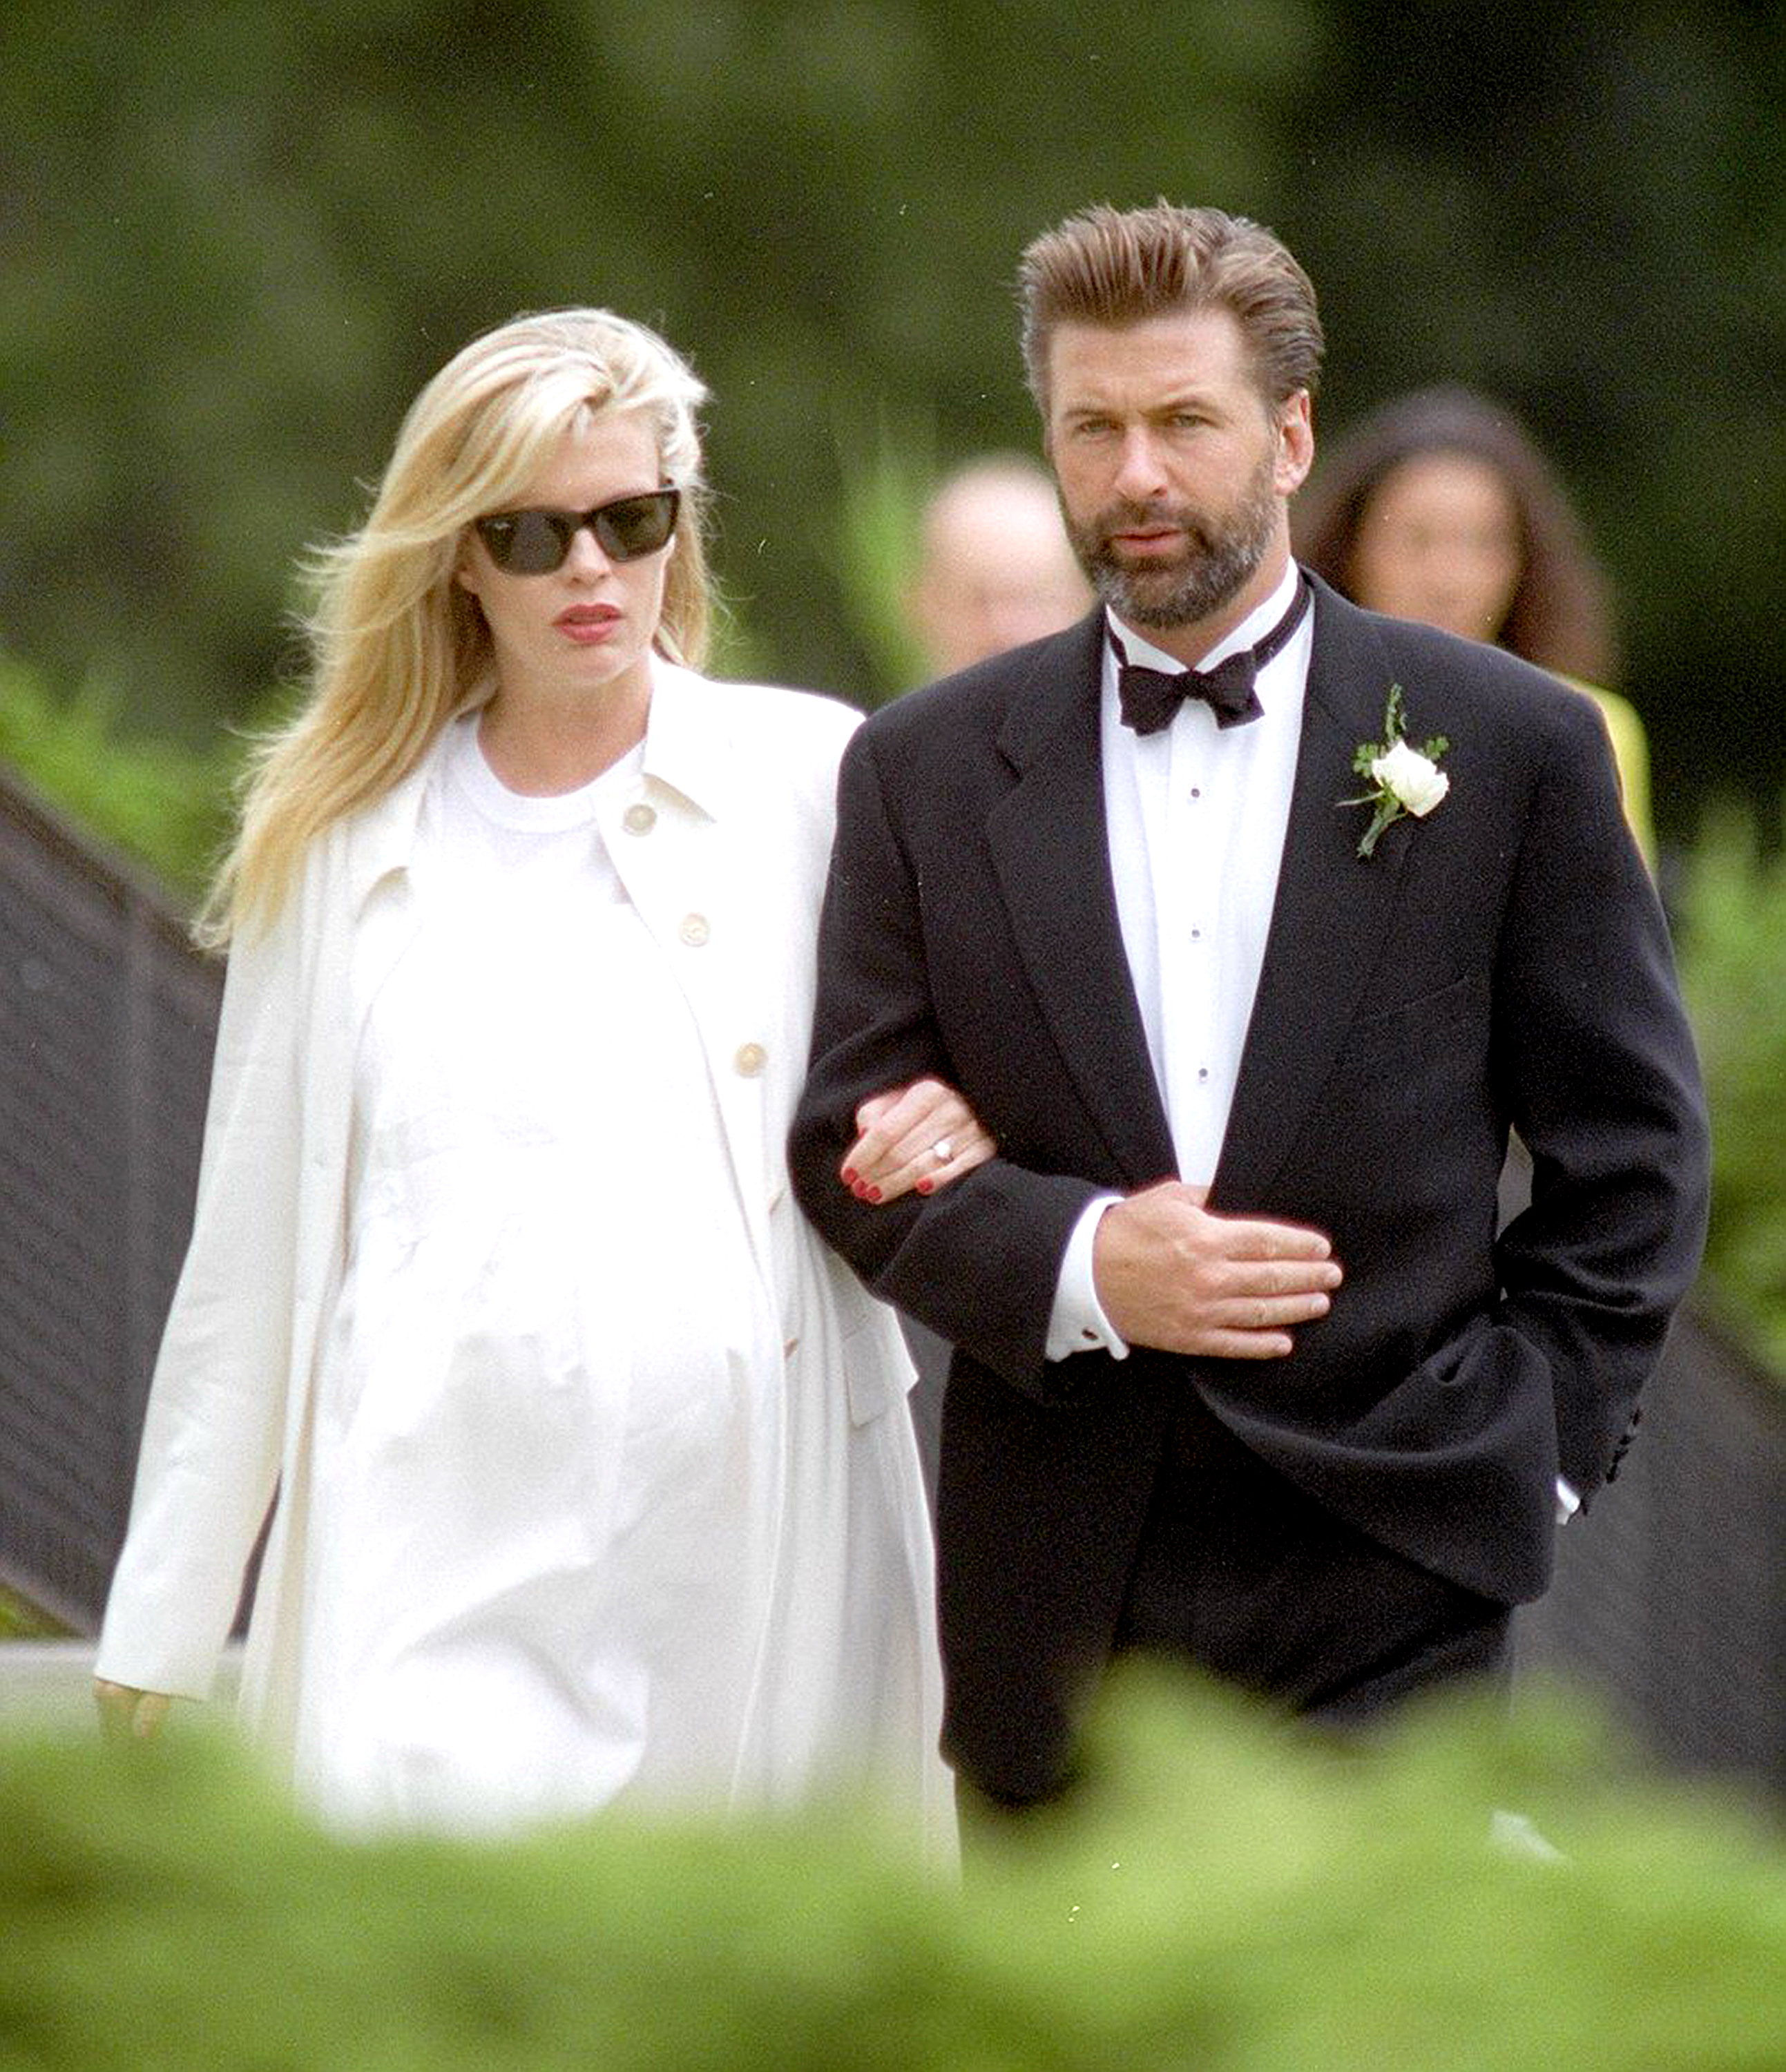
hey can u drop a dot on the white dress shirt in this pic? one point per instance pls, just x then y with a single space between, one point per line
1195 817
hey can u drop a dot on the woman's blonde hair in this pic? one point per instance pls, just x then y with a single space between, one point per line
397 645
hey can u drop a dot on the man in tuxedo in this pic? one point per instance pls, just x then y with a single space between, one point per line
1250 971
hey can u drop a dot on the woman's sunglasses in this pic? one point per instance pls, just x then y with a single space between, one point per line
534 543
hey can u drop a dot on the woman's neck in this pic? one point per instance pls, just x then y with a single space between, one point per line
541 746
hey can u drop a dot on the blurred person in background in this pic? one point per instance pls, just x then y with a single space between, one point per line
1438 506
994 566
594 1482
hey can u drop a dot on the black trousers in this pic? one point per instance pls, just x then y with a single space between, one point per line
1242 1575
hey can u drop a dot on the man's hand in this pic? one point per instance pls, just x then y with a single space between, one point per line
1171 1276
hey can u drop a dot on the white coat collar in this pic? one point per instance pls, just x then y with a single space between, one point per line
686 748
687 743
381 837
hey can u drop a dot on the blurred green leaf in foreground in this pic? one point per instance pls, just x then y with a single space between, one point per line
1227 1896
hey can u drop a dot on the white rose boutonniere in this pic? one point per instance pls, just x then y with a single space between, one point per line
1404 779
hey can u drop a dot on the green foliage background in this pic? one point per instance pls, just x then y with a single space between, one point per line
238 234
1226 1897
154 799
1733 968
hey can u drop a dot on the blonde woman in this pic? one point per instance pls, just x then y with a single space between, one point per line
594 1480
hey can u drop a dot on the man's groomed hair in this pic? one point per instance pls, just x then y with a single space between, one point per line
1116 267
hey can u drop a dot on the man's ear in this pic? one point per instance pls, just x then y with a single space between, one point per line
1296 453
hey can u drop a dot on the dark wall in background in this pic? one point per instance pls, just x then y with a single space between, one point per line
107 1019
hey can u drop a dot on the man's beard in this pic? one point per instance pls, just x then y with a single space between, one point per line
1219 556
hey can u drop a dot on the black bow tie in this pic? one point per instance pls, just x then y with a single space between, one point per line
1150 698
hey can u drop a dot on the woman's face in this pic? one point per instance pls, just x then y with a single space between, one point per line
586 626
1440 542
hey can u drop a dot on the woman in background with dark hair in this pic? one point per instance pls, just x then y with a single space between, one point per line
1438 506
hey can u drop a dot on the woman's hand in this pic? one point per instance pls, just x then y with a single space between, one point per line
129 1715
920 1137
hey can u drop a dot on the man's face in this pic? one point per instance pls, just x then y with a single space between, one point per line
1173 469
996 570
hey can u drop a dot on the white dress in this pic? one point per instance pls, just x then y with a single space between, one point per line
549 1413
595 1481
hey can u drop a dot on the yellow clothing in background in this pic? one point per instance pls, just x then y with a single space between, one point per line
1631 753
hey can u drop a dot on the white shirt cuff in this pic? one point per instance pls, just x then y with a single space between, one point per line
1076 1323
1568 1503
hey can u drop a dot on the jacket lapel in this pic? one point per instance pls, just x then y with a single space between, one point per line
1052 854
1332 911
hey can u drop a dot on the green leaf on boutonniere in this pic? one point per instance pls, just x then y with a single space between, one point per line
1403 779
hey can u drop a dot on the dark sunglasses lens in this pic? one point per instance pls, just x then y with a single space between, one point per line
635 525
534 543
527 543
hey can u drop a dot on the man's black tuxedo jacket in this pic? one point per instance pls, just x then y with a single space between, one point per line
1502 962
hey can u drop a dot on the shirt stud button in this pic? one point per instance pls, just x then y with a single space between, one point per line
639 819
694 930
749 1060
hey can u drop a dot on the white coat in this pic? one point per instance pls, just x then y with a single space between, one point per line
722 847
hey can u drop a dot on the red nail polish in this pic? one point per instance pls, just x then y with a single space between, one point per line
859 1188
924 1186
849 1176
874 1194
